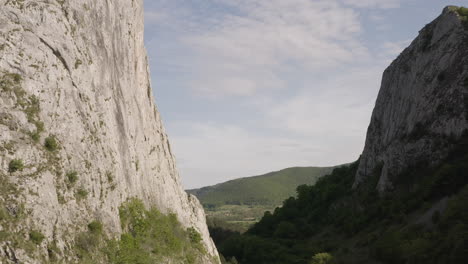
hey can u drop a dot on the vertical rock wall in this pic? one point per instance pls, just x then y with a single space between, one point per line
76 73
422 105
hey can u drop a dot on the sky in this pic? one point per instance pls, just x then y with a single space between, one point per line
246 87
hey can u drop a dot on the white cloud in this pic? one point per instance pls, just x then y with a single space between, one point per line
373 3
246 51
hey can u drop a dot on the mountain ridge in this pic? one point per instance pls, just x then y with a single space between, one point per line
288 178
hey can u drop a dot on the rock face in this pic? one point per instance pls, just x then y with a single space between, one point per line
422 105
79 131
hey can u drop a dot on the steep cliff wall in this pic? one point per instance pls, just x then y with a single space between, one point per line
422 105
79 131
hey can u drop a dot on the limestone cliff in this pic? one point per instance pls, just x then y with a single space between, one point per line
79 131
422 106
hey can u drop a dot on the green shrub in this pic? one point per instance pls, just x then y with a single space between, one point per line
51 143
81 193
36 136
149 236
72 177
194 236
95 227
15 165
36 237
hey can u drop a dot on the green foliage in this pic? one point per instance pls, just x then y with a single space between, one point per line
15 165
322 258
72 177
150 236
241 203
194 236
462 11
81 193
51 143
89 245
269 189
95 227
36 237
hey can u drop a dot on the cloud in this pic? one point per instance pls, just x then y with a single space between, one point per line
384 4
248 45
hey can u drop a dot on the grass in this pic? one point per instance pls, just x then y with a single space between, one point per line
15 165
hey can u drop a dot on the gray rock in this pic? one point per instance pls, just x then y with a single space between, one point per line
78 71
422 104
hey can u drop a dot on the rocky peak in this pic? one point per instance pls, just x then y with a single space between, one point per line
422 106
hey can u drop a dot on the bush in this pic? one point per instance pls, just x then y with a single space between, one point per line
81 193
36 237
95 227
72 177
150 235
15 165
51 143
194 236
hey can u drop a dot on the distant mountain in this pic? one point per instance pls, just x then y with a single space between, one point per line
269 189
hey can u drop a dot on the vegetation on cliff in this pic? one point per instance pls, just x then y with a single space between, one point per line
148 237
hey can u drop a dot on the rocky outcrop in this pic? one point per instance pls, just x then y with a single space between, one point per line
79 131
422 106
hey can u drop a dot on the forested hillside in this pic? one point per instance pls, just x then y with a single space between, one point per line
237 204
268 189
